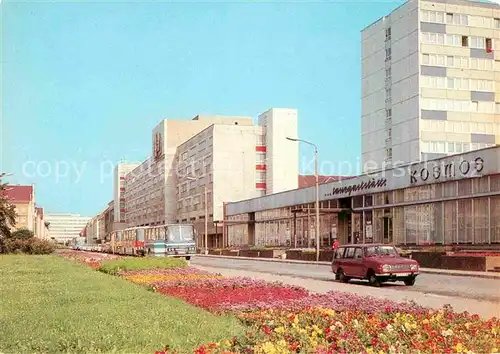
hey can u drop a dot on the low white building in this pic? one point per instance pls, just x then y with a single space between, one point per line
65 226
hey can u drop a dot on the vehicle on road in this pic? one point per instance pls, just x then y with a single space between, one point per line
170 240
377 263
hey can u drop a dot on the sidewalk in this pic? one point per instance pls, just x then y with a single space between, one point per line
450 272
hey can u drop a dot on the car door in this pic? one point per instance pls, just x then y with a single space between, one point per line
357 263
337 259
347 262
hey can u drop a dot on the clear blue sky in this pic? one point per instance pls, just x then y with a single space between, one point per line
85 83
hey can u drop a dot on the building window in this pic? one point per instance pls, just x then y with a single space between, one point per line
388 34
497 108
425 59
489 44
465 41
497 22
388 153
449 18
387 54
388 113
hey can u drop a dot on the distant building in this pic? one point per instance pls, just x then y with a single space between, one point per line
64 227
310 180
23 198
121 170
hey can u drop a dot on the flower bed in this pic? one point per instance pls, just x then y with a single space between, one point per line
319 330
287 319
91 259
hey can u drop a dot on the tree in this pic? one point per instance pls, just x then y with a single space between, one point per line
8 213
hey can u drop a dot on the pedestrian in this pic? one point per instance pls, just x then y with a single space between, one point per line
335 243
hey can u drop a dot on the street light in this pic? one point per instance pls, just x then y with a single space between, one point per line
317 188
190 178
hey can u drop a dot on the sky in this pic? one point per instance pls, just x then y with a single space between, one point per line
84 83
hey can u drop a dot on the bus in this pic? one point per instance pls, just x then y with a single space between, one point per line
170 240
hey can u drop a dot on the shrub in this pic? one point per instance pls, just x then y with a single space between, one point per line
29 246
114 266
22 234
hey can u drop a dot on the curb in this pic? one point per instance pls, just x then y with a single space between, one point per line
292 261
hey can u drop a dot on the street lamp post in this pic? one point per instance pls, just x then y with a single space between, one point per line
206 212
316 175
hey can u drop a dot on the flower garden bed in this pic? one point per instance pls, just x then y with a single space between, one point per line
288 319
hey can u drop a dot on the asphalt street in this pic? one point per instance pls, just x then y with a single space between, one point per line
450 286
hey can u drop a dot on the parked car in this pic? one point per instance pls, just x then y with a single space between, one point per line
377 263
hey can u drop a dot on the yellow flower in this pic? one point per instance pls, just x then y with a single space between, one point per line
268 348
279 330
370 350
494 330
459 348
227 343
381 352
282 343
494 350
426 321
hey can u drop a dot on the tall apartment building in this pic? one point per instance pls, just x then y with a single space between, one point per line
234 158
121 170
64 226
151 188
430 82
281 156
223 160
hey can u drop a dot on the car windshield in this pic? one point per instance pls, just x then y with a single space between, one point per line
381 251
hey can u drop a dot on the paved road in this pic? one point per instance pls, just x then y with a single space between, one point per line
452 286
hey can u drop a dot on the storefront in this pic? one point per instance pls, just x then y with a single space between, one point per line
453 200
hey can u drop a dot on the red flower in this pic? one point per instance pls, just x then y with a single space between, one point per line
267 330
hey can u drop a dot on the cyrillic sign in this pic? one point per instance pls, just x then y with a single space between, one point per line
371 184
447 170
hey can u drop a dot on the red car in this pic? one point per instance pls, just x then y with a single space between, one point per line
377 263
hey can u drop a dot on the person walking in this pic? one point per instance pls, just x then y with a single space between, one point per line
335 243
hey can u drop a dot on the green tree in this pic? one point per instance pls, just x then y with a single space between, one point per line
7 210
22 234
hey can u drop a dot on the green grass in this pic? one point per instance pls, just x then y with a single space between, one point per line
113 266
52 305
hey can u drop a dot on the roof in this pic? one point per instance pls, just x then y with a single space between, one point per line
19 194
310 180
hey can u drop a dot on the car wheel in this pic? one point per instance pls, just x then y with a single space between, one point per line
341 276
373 280
410 281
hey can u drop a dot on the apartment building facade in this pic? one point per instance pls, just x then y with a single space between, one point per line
235 158
121 170
221 163
430 82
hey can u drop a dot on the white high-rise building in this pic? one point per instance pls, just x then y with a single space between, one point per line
430 82
121 170
280 154
64 226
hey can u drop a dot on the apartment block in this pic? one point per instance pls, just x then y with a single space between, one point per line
280 155
232 157
121 170
430 82
151 188
220 160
